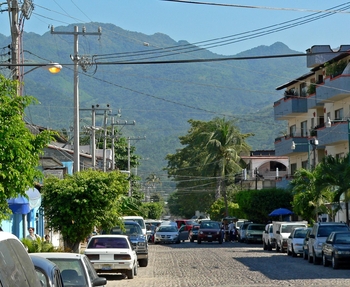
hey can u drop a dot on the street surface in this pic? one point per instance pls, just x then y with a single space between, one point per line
229 264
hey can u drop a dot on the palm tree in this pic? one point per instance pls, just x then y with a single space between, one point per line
151 181
224 146
335 175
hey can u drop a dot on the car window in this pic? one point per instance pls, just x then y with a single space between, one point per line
130 229
90 269
300 233
210 225
167 229
69 266
324 231
256 227
108 242
41 276
271 229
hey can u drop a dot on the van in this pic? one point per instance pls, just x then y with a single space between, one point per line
17 268
139 220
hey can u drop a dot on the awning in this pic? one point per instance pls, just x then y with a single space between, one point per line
22 205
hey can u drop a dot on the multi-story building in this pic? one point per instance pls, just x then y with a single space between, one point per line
316 107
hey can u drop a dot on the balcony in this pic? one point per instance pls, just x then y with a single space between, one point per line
283 145
334 89
288 105
336 134
320 54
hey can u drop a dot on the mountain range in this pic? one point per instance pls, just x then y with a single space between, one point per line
159 97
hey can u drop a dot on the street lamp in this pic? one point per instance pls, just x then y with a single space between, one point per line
329 125
310 143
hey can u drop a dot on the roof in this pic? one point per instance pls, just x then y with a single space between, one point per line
297 80
110 235
59 255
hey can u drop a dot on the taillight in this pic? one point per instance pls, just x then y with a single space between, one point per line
93 256
122 257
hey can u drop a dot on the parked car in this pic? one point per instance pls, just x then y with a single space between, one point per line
183 233
254 233
336 249
139 220
305 244
242 231
295 241
269 240
187 222
239 222
137 239
16 267
193 235
210 231
112 254
168 234
48 272
76 269
319 233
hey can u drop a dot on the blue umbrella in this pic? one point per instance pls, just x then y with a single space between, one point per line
281 211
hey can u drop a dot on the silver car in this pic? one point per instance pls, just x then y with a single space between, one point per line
168 234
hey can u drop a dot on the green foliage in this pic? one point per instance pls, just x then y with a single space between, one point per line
38 245
153 210
336 68
20 150
217 210
258 204
78 203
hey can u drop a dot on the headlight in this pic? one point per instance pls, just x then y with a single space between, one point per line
141 244
201 232
248 234
342 252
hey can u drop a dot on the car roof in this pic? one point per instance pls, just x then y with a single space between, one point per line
110 235
42 262
66 255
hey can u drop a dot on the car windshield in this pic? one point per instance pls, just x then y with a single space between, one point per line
342 238
168 228
210 225
289 228
195 227
256 227
324 231
130 229
108 242
71 269
300 233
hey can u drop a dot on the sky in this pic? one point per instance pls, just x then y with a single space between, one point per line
301 24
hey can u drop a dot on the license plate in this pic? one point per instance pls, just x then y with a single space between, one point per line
106 267
209 235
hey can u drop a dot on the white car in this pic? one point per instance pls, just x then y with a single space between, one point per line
76 269
295 241
167 233
112 254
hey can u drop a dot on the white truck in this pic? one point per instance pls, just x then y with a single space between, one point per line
282 230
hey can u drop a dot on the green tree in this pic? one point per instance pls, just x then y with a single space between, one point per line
335 176
205 167
78 203
310 195
20 149
153 210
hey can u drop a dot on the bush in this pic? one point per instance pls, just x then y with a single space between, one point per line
38 245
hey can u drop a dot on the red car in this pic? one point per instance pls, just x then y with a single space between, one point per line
188 222
210 231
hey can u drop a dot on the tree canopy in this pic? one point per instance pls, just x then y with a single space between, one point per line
79 202
20 149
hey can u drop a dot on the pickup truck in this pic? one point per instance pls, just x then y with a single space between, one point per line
282 230
269 240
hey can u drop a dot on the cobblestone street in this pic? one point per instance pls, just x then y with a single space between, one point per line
229 264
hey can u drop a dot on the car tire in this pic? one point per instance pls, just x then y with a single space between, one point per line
269 246
293 253
277 247
199 241
191 240
264 246
143 262
288 252
130 274
315 259
335 262
304 255
310 258
135 269
325 262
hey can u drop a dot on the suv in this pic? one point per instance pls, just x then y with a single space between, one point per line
137 239
318 236
269 240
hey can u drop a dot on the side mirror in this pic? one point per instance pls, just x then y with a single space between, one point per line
99 281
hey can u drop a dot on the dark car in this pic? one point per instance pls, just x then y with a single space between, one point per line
336 249
137 239
194 232
210 231
48 272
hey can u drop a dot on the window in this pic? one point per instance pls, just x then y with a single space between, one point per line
303 90
304 164
292 130
339 114
293 168
312 123
303 128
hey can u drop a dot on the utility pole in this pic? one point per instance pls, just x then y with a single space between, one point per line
76 60
129 168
